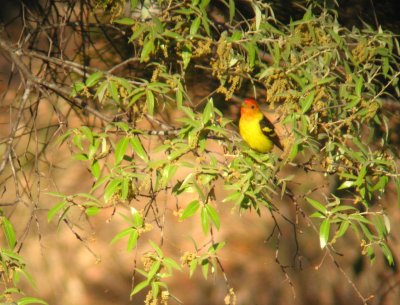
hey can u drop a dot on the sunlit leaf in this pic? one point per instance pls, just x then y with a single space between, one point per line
324 230
307 102
213 215
120 149
190 210
139 287
205 220
195 26
150 102
317 205
30 300
8 232
94 78
125 21
55 209
231 10
138 149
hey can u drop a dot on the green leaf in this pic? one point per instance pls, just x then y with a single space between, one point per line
55 194
100 182
293 152
317 205
173 35
92 211
133 4
204 3
93 147
138 149
388 253
207 112
113 90
120 150
204 267
381 184
385 66
81 157
179 94
153 270
324 233
212 213
195 26
359 218
55 209
359 86
155 289
326 80
190 210
77 87
87 132
343 228
216 247
139 31
122 234
186 55
156 248
307 102
170 263
150 102
132 241
95 169
93 79
231 10
380 226
125 188
147 49
139 287
193 266
77 140
8 232
317 215
100 91
386 221
236 35
125 21
205 22
26 275
251 53
341 208
346 184
111 189
30 300
205 220
258 15
371 253
366 231
167 174
232 197
136 96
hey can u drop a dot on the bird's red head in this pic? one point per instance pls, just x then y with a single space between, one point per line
249 106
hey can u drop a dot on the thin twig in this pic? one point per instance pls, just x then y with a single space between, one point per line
11 136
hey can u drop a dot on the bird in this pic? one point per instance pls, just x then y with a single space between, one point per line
256 130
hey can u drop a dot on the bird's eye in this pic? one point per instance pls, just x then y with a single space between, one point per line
252 107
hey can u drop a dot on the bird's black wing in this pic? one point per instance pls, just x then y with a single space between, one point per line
269 130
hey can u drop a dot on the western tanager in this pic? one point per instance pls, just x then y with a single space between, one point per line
256 130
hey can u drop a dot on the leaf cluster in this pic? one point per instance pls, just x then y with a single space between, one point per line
327 83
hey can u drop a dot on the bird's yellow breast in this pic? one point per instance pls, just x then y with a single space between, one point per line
252 134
